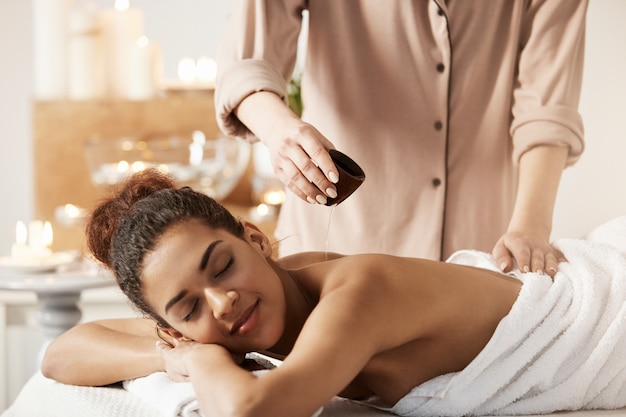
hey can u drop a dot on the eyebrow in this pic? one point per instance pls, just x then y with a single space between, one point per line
207 254
203 263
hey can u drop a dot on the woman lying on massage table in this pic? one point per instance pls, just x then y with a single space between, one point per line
356 326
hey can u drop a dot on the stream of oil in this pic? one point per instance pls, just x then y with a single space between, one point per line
330 218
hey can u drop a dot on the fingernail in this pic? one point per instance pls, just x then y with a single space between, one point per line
332 176
525 268
540 272
331 192
320 199
553 269
503 266
310 200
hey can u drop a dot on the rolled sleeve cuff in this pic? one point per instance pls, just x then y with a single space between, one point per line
553 126
236 83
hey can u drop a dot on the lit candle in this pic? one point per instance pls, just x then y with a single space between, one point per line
274 197
263 213
121 27
35 234
187 71
206 71
19 249
144 69
47 234
31 246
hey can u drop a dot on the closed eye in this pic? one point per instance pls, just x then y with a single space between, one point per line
193 310
226 268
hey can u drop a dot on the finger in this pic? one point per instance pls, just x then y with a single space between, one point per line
316 147
300 186
551 264
297 184
309 167
559 255
321 158
522 257
502 257
537 263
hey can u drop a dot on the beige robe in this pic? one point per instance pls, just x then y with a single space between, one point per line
435 100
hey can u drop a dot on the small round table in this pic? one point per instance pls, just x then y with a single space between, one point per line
58 293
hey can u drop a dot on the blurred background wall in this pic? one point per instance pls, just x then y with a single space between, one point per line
591 191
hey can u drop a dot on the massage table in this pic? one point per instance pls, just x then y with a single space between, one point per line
595 368
42 397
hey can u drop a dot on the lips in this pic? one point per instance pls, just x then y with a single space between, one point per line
247 321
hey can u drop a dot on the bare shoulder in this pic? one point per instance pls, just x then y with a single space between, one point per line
303 259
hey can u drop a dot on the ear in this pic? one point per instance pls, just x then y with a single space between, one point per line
257 238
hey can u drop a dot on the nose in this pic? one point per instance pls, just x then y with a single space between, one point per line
222 302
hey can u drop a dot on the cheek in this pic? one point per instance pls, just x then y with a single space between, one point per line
203 328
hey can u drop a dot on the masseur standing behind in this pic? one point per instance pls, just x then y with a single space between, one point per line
463 115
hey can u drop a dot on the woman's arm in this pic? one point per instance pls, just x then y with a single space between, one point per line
547 129
299 152
103 352
527 239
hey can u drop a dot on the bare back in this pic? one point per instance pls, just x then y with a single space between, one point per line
411 319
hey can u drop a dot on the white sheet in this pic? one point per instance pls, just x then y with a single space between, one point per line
42 397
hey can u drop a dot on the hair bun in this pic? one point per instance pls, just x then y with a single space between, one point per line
103 221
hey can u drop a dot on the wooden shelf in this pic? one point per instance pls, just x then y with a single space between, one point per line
61 128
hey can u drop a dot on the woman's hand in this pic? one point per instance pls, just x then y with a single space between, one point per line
178 356
531 252
527 240
298 151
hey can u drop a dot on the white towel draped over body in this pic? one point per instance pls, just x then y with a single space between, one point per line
561 347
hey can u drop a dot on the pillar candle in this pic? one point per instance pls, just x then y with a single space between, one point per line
50 30
121 28
85 66
143 72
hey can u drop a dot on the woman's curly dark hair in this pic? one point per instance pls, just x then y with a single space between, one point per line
125 226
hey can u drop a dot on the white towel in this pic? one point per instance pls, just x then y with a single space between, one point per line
178 399
561 347
173 399
611 233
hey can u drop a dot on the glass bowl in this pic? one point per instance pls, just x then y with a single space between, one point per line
212 166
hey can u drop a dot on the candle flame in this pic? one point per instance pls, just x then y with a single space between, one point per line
262 209
206 69
21 235
187 70
122 166
143 42
47 234
72 211
122 5
274 197
138 166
